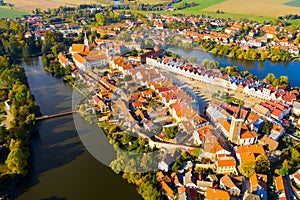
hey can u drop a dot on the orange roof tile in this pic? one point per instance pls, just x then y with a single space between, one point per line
215 194
167 189
279 183
79 58
247 158
248 134
255 149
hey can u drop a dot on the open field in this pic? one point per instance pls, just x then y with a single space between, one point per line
272 8
256 10
29 5
295 3
202 4
153 1
294 22
215 15
11 13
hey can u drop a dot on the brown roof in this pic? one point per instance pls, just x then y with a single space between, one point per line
260 109
269 142
248 134
96 55
227 182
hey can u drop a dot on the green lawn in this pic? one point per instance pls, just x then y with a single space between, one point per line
11 13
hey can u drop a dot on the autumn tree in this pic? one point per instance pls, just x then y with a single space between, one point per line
17 158
247 170
100 19
262 164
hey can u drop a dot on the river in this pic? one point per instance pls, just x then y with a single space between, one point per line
259 69
61 167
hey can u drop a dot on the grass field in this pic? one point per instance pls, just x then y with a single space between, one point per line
271 8
11 13
294 22
202 4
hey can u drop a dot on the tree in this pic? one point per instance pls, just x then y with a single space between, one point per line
171 132
266 128
284 170
262 164
270 77
247 170
17 158
193 59
100 19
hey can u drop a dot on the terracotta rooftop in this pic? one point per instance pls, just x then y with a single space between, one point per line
215 194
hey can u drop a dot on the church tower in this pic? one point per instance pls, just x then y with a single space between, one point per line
86 40
235 127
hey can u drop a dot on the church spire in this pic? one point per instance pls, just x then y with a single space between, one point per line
86 41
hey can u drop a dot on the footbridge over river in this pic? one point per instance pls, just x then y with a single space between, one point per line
44 117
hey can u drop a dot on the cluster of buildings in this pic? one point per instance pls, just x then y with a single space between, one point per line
258 36
257 89
143 100
159 105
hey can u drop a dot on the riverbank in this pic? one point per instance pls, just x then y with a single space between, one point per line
59 153
259 69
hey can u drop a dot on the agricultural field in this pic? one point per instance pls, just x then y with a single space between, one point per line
202 4
11 13
295 3
256 10
153 1
29 5
271 8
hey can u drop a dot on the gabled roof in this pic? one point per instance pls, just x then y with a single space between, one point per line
227 182
215 194
248 134
79 58
254 148
225 161
269 143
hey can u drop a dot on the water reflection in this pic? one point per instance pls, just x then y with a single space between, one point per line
258 68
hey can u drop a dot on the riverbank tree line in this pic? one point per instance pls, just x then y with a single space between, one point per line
15 138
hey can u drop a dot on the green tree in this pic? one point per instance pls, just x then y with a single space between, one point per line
17 158
262 164
171 132
270 77
247 170
284 170
100 19
266 128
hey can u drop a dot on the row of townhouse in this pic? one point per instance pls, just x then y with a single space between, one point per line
255 89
